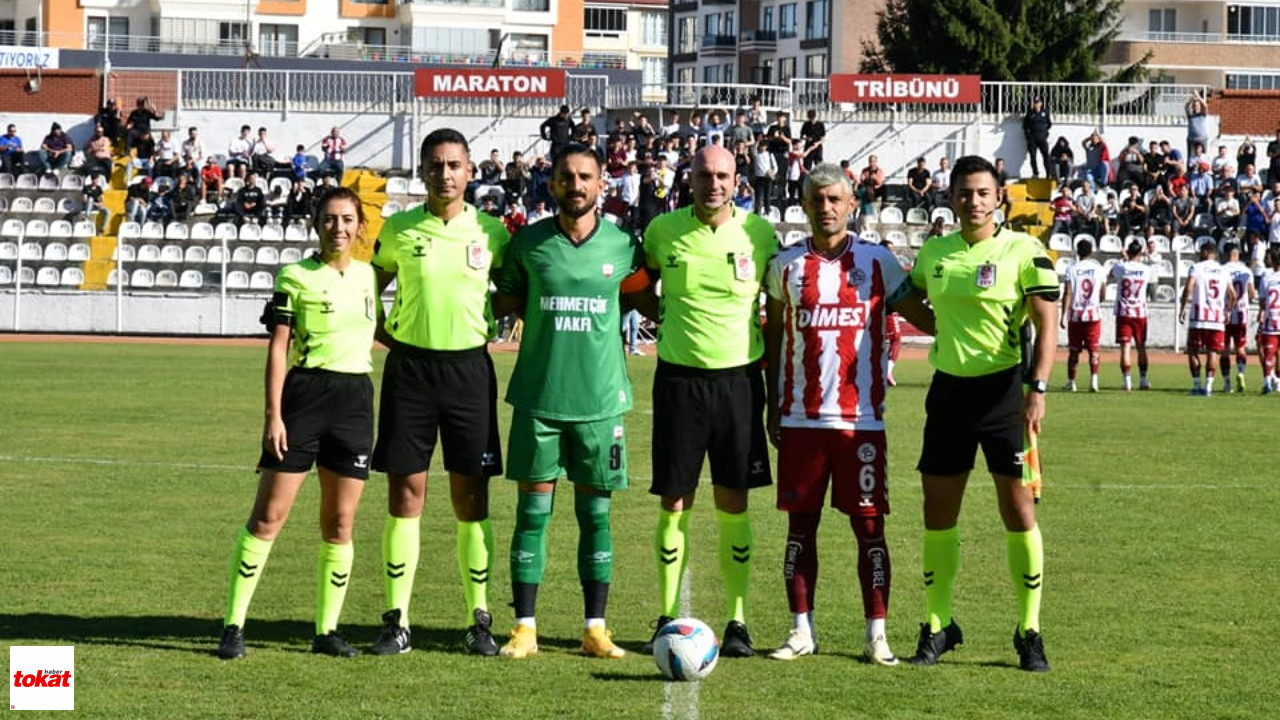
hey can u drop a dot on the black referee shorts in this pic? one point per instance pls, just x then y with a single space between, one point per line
329 420
452 393
716 413
963 413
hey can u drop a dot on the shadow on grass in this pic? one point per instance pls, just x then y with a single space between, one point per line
624 677
199 635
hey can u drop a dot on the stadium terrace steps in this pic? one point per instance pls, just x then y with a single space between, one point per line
1041 188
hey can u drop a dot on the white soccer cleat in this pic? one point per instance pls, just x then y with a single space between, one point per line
877 652
1070 386
798 643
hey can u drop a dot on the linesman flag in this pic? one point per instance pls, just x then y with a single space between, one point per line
1031 470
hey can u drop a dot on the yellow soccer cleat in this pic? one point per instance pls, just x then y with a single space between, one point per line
523 643
598 642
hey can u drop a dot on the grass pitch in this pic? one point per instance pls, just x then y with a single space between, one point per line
125 471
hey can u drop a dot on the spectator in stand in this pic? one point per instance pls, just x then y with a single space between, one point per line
516 182
1130 168
642 130
238 153
1184 211
263 154
1273 230
1063 207
1256 218
539 182
1109 213
12 154
57 149
764 170
756 118
298 165
558 130
1201 184
1063 160
513 219
814 134
1220 162
1097 159
277 202
1247 153
539 212
740 132
1199 156
166 160
630 193
1197 122
109 118
919 183
491 169
1085 211
936 229
137 201
1226 212
1133 211
696 127
1174 179
873 176
251 202
1228 180
744 198
1273 158
779 138
717 126
941 184
298 206
334 147
98 159
1035 130
139 122
796 170
91 195
193 147
615 165
1152 166
210 181
865 195
584 128
1250 180
1160 213
1002 180
742 159
143 154
673 128
182 198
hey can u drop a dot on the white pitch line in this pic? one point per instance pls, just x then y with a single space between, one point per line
111 461
680 699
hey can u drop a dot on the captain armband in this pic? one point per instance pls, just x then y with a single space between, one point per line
277 312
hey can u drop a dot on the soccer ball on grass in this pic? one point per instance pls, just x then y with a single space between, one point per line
686 649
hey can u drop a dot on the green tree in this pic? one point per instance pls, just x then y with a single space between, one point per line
1026 40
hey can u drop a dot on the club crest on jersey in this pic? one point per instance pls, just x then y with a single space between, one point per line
744 268
986 275
607 269
856 277
477 256
867 452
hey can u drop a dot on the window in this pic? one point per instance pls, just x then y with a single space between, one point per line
8 33
786 70
655 28
726 73
687 35
815 66
1254 21
451 42
764 73
1240 81
278 39
1162 20
766 19
101 29
374 36
711 74
711 24
787 21
816 14
653 70
531 5
684 76
370 2
605 22
730 24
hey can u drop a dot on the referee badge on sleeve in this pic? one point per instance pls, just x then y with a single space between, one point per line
477 256
986 275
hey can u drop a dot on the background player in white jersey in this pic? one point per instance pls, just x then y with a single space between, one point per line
1208 292
1082 312
1236 333
827 318
1133 283
1269 321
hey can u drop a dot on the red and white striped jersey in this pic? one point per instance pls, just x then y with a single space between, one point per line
1086 279
1240 277
832 373
1208 296
1269 300
1132 279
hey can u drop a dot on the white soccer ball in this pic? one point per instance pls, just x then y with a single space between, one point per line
685 649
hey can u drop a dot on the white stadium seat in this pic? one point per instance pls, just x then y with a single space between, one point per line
148 253
242 254
79 252
167 279
171 254
195 254
226 231
8 251
217 255
261 280
115 276
917 216
37 228
142 278
891 216
48 277
84 229
31 252
290 255
176 231
201 231
272 233
267 255
6 275
71 277
44 206
191 279
397 186
130 229
237 280
795 216
250 232
125 253
55 252
1060 242
153 231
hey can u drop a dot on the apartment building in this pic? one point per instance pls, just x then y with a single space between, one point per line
630 34
1221 44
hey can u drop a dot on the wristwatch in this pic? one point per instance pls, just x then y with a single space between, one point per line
1038 386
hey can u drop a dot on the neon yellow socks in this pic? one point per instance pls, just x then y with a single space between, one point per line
1026 567
247 562
333 573
941 563
670 547
474 548
400 549
735 560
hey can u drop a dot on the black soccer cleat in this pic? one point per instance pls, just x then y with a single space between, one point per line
231 646
933 644
661 622
736 641
479 639
394 639
1030 647
333 645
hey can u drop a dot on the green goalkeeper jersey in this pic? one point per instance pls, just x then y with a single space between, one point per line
571 364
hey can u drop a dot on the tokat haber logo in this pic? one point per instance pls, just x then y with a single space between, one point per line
42 677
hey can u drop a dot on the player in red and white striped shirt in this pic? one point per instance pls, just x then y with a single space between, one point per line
1208 292
828 298
1133 283
1082 313
1269 321
1236 332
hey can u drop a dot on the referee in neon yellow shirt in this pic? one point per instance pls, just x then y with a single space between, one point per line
439 381
984 282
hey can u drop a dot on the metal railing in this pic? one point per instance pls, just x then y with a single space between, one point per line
1197 38
722 95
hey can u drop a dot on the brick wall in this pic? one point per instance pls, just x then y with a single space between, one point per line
159 86
1248 112
62 92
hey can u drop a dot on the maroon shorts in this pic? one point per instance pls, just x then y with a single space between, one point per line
1202 340
1084 335
1131 330
1268 344
855 461
1238 334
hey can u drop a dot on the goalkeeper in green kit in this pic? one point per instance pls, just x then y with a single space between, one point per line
569 389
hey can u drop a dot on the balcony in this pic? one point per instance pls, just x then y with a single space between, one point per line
1203 50
718 45
787 33
684 6
759 40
